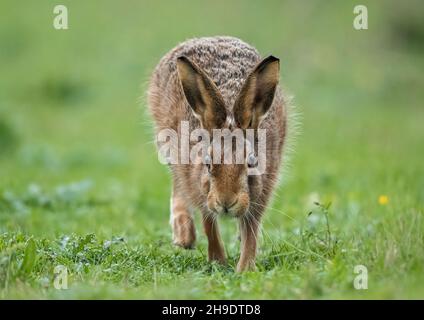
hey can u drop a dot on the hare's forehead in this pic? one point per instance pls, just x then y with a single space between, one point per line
230 122
227 134
229 171
227 138
231 143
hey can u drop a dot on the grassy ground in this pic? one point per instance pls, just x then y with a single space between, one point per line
80 184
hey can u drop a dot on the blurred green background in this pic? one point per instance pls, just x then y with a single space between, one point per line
79 174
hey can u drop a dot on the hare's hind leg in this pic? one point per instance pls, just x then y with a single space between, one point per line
183 229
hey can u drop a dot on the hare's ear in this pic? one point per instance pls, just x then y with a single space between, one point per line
257 93
202 94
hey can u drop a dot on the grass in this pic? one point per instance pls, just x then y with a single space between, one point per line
81 186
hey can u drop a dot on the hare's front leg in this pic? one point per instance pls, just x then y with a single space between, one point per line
216 250
183 229
249 234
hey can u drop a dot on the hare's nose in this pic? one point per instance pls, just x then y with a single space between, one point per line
226 206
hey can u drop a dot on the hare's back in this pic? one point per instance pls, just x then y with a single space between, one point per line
226 60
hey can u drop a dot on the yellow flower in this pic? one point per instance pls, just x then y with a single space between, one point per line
383 199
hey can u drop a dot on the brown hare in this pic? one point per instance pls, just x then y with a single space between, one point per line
220 83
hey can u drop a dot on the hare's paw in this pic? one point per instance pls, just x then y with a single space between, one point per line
246 265
184 233
217 255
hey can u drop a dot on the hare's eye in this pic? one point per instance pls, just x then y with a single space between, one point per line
252 161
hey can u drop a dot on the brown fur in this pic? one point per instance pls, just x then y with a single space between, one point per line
220 78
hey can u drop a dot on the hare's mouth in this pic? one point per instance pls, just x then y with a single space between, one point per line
235 206
226 210
229 214
234 212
